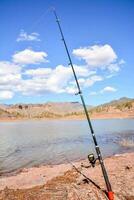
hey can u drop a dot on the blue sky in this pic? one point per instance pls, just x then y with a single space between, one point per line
33 62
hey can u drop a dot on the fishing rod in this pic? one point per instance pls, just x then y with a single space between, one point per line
98 152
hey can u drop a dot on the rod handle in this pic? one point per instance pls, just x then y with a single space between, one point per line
111 195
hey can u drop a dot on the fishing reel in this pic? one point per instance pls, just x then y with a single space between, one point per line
92 159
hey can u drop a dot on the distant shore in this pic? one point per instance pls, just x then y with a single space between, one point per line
83 117
117 109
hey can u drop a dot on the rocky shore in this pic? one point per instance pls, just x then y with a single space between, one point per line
68 181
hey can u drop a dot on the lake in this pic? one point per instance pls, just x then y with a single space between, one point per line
32 143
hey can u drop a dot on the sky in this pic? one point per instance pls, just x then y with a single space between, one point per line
33 61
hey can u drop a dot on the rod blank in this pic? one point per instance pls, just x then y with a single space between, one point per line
98 152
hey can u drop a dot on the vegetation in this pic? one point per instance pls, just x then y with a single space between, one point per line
48 115
73 114
121 106
126 105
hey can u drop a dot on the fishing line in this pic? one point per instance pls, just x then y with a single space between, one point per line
31 27
41 18
87 178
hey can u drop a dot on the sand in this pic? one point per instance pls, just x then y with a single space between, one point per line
65 182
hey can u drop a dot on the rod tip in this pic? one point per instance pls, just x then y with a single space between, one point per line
53 8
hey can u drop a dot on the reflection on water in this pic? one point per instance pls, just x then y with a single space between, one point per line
30 143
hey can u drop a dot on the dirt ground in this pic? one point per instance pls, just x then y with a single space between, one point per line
68 183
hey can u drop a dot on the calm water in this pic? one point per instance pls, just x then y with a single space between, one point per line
30 143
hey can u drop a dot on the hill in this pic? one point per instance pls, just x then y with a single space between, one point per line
4 113
46 110
121 108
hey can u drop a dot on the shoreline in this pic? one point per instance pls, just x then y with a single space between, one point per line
62 167
16 172
66 118
120 169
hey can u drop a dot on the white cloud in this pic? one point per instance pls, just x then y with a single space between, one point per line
10 74
29 56
9 68
115 67
71 90
39 72
121 62
110 75
108 89
105 89
57 80
15 79
96 55
23 36
83 82
83 71
6 95
90 81
10 77
45 80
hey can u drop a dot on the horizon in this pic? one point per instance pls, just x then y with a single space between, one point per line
33 63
